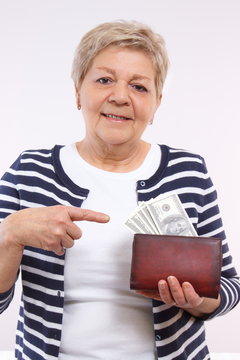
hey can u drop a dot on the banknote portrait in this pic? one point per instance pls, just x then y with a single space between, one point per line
175 225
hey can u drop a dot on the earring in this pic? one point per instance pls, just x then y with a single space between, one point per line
79 107
150 122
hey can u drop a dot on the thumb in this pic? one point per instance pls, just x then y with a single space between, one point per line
77 214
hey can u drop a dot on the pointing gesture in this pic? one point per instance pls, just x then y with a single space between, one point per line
49 228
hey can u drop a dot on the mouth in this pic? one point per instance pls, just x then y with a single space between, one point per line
116 117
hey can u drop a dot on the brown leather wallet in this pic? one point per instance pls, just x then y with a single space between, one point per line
197 260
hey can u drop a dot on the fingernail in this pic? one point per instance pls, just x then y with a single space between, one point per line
162 284
106 218
171 279
186 285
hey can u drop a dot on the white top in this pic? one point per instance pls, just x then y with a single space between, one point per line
103 318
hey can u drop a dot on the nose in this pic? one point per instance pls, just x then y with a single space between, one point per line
120 94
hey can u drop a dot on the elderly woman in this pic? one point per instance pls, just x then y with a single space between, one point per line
76 303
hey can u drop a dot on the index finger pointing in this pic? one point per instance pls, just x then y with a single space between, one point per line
77 214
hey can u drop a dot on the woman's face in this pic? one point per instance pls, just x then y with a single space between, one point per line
118 96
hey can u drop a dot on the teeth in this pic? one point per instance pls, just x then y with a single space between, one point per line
116 117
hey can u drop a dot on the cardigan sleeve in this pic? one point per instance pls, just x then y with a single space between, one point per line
6 298
9 196
9 203
210 224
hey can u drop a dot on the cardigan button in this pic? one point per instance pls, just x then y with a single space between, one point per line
157 337
59 293
142 183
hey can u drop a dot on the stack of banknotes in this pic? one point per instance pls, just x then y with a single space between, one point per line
164 215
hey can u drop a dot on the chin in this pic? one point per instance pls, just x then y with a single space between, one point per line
115 142
116 139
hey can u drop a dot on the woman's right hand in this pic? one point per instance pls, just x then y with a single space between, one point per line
50 228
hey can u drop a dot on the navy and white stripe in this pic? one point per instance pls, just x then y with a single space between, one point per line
37 179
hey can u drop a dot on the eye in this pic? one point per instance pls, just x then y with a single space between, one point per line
139 88
104 80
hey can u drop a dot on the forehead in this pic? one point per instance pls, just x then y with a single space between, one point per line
124 59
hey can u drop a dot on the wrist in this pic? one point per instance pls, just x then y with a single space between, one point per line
8 238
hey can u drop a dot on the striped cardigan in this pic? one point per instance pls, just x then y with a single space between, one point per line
38 179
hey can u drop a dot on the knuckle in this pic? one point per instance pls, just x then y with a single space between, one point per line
174 291
70 244
78 234
59 231
45 246
50 245
60 211
59 207
181 302
67 243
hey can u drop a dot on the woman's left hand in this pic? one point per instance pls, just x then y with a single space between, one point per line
183 296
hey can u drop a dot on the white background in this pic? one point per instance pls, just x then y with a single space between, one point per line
199 111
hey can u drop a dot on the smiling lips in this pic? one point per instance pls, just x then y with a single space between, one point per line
116 117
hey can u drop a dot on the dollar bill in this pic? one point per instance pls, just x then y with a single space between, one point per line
135 222
170 217
146 217
133 227
162 215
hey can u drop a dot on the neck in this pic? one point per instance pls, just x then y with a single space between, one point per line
114 158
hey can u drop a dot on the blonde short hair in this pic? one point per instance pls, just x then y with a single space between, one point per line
122 33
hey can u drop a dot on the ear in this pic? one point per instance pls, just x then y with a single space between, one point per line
159 100
77 97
